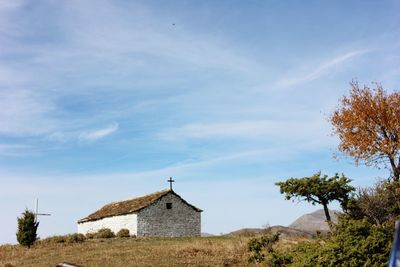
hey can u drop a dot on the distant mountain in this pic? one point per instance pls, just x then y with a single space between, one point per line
206 234
314 222
306 226
247 232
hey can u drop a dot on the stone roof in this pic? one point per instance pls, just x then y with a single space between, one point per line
130 206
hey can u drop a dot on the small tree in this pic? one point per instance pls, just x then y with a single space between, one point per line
27 228
368 125
318 189
379 204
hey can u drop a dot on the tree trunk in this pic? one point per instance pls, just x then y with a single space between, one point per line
396 174
395 169
328 217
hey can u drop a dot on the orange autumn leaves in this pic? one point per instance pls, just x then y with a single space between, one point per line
368 125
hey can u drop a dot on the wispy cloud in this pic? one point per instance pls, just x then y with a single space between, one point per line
15 150
99 133
10 4
25 112
246 129
322 69
83 135
135 55
8 9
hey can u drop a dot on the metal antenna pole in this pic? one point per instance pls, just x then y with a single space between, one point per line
37 211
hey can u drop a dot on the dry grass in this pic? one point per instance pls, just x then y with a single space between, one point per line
199 251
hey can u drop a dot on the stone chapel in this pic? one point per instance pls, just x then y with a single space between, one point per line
163 213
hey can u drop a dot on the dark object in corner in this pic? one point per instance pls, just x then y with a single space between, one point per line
395 253
67 264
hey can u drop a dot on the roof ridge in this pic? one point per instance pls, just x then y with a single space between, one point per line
140 196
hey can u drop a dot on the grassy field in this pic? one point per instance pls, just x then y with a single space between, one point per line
200 251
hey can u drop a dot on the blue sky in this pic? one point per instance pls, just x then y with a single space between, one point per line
104 100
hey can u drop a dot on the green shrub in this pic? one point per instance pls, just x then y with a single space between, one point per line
353 243
90 235
123 233
279 259
363 236
104 233
259 245
59 239
75 238
27 228
54 239
306 253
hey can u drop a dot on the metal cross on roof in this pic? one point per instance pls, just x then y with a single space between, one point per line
170 182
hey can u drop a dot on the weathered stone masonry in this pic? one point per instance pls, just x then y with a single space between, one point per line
180 220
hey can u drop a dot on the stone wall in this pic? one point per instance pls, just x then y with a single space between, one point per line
115 224
180 220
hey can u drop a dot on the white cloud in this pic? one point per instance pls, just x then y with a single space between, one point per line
25 112
10 4
150 36
88 135
247 129
322 69
8 9
15 150
99 133
36 85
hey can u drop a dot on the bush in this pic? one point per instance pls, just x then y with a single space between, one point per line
353 243
54 239
75 238
306 253
279 259
379 204
259 245
60 239
123 233
104 233
363 236
90 235
27 228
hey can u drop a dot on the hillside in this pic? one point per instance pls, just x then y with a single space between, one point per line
197 251
227 250
314 221
194 251
286 232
